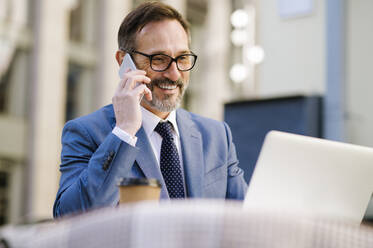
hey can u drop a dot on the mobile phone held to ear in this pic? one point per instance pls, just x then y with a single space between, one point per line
126 63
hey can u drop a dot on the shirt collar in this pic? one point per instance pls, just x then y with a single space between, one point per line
150 121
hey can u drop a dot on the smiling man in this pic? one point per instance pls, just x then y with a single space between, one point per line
144 133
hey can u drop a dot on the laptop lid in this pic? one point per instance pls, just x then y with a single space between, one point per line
312 176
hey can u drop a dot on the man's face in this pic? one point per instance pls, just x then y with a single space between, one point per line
167 87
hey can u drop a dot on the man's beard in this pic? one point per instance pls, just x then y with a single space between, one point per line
167 104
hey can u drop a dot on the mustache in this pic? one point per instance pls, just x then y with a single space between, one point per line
158 81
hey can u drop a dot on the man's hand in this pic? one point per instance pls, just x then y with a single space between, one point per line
126 100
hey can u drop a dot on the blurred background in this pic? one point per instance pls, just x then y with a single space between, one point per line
295 65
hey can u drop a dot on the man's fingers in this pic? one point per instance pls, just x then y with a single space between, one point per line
148 93
136 79
121 84
127 75
132 73
143 90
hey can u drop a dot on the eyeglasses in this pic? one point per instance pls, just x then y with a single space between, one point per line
161 62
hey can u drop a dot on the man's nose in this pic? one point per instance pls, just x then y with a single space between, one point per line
172 72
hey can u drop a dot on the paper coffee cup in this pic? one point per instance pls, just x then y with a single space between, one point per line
138 189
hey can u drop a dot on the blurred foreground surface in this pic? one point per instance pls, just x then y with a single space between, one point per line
194 223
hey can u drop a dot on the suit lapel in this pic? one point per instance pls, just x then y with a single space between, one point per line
192 152
146 158
191 146
147 161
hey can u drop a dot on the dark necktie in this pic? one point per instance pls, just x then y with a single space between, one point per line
170 162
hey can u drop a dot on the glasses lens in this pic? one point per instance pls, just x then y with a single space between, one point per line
185 62
160 62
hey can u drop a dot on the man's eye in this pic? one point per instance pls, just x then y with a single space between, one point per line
159 59
183 58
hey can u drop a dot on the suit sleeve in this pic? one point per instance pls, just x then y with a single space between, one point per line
89 173
236 185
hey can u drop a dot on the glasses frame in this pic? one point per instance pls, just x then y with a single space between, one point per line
150 57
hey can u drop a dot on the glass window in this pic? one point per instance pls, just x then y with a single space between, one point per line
73 81
76 23
4 88
3 94
4 178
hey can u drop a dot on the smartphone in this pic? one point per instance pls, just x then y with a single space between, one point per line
126 63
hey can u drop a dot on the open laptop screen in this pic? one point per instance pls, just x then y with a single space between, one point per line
313 176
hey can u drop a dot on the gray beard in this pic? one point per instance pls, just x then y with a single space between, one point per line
165 105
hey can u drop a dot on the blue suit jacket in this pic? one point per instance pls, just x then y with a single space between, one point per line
93 159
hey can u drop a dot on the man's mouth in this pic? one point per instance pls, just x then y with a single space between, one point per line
167 94
167 86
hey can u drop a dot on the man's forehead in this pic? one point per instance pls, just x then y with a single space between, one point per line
160 35
161 23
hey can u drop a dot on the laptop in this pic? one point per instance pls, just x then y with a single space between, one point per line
306 175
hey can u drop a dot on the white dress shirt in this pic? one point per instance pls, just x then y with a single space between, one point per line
149 122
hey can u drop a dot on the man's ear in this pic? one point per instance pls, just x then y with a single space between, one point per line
119 55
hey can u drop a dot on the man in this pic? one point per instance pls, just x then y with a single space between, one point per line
143 133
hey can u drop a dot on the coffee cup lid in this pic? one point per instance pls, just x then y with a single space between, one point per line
130 181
